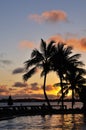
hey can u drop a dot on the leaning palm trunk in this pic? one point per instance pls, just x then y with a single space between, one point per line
72 98
46 98
61 84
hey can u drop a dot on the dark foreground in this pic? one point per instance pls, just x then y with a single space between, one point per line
14 111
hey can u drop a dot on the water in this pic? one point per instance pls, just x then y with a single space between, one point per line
48 122
68 104
53 122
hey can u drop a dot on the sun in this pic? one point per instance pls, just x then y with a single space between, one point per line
69 93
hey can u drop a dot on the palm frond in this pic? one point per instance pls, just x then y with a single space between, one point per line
58 84
43 47
68 50
33 62
76 56
50 48
60 46
82 71
27 64
29 74
35 53
80 63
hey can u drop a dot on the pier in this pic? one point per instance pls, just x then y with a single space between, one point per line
8 112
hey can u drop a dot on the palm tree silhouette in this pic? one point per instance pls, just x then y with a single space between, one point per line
60 62
82 91
63 61
76 82
40 59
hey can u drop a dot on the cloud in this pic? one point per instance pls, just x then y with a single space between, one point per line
50 16
2 55
7 62
34 86
33 90
69 35
49 88
26 44
18 71
20 84
4 90
83 43
41 96
57 38
4 61
77 43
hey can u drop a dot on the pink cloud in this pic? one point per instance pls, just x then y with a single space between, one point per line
26 44
4 91
56 38
83 43
49 16
77 43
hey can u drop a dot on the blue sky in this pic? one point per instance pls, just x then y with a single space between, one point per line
20 32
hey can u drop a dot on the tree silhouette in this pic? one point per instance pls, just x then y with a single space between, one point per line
63 61
60 59
82 92
76 82
40 59
60 62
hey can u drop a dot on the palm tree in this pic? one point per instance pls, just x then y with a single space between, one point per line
60 60
82 94
63 61
40 59
76 82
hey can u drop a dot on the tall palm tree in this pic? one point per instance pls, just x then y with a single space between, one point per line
59 60
40 59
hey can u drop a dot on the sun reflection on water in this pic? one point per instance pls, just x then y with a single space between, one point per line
48 122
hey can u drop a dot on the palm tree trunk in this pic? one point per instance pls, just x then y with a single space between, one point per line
72 98
47 100
62 92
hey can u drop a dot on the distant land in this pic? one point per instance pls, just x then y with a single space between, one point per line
39 100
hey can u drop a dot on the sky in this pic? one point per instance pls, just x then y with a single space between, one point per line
22 25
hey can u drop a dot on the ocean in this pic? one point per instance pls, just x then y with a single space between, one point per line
68 104
47 122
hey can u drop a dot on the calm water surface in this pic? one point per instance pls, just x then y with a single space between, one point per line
53 122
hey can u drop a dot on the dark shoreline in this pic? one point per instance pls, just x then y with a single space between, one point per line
38 100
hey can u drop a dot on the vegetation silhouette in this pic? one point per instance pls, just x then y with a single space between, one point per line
64 63
60 59
76 82
82 95
40 59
